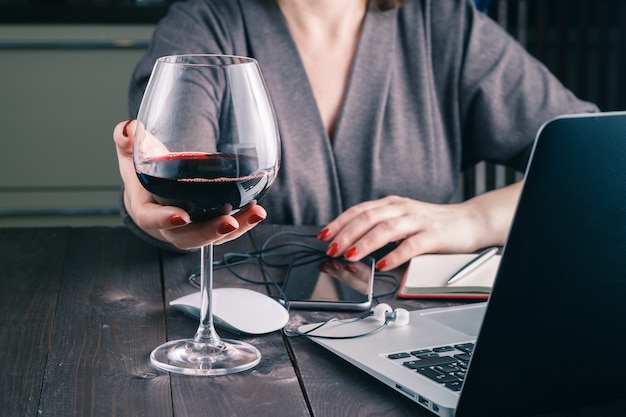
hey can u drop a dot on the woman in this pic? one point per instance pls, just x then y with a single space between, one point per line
380 106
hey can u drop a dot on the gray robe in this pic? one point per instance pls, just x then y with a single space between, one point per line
435 87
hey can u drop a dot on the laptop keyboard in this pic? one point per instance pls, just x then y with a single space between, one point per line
446 365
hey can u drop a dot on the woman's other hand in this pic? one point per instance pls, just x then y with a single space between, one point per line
418 227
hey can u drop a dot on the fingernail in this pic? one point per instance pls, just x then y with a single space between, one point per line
350 268
255 218
125 129
351 252
323 269
226 228
333 265
381 264
176 220
323 234
332 249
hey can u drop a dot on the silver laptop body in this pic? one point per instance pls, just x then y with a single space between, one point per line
558 307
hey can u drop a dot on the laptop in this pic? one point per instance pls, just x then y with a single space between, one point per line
551 332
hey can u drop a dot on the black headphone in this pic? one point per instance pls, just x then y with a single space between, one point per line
382 313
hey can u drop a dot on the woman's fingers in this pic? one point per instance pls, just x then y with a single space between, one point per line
247 220
123 135
419 227
372 225
215 231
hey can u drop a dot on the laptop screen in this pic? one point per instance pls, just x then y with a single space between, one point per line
556 313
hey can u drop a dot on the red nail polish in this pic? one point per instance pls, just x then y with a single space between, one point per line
323 234
332 249
351 252
323 269
176 220
226 228
381 264
350 268
125 129
255 218
333 265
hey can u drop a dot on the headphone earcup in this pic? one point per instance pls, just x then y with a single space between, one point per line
380 312
401 317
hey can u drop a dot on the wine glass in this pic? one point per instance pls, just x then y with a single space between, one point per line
206 141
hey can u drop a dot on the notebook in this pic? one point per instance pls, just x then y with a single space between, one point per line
427 276
551 332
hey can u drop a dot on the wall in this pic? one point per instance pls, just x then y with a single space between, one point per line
63 88
583 42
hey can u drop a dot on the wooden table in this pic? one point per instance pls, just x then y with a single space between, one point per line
82 308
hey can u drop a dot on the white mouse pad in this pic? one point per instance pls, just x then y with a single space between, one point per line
238 310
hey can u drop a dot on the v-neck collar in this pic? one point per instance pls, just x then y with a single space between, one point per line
278 55
369 75
360 120
275 49
363 104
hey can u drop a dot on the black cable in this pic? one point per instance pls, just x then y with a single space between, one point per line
262 258
304 253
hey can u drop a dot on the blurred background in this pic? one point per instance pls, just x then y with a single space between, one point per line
65 66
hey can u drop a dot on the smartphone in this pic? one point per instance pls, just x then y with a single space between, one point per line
321 282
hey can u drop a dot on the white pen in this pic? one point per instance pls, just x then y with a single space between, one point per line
476 262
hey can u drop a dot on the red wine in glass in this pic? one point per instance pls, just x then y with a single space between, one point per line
206 185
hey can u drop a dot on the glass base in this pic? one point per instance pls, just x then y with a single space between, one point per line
189 357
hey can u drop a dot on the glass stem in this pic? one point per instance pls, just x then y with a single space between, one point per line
206 331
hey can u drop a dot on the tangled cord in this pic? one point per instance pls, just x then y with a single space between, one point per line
279 256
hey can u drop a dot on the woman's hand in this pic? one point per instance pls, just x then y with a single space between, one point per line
168 223
420 227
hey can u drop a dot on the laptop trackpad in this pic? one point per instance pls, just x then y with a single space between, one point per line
465 319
